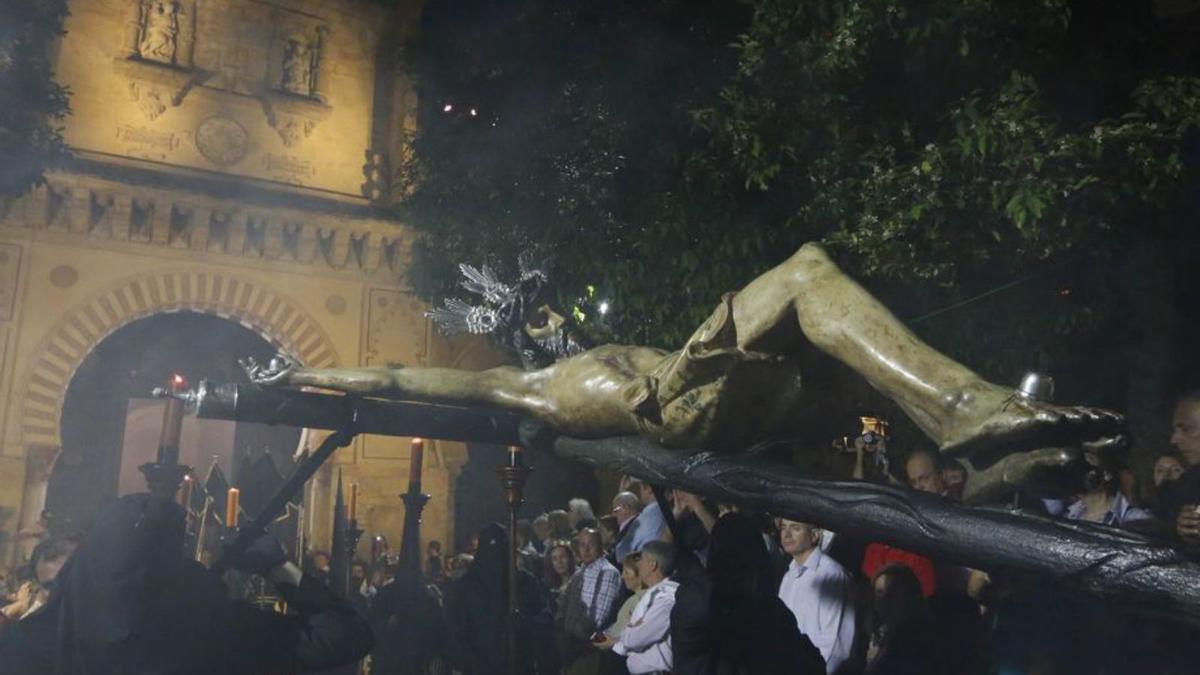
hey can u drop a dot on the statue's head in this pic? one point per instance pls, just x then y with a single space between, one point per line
517 315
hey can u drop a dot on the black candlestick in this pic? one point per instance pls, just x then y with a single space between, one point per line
512 479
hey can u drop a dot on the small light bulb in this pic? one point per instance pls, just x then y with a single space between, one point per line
473 113
604 307
447 108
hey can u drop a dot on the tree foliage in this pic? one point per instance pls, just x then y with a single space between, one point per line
995 157
33 103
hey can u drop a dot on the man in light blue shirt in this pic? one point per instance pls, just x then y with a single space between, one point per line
649 523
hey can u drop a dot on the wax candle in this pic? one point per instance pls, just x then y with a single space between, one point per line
414 466
353 510
514 455
168 442
185 493
231 508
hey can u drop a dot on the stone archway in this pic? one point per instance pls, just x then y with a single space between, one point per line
264 310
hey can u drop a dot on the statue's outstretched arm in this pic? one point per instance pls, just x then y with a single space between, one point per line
498 386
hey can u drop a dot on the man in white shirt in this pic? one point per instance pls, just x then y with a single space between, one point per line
646 641
818 592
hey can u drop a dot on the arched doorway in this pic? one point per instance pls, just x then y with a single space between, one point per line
108 417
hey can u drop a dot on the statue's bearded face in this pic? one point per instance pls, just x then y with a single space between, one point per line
545 324
550 331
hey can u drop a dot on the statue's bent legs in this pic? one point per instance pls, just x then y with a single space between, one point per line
959 410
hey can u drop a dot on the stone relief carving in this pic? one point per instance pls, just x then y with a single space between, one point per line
159 31
300 65
294 103
148 98
376 173
297 67
292 118
158 55
109 211
162 32
222 140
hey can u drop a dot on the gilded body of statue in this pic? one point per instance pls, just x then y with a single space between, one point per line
733 383
160 30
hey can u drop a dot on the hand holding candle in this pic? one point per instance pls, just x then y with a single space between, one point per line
231 508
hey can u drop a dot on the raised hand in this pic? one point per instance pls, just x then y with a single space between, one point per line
273 374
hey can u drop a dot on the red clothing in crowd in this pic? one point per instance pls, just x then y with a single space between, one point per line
878 556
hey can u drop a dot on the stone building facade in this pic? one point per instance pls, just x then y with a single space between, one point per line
229 159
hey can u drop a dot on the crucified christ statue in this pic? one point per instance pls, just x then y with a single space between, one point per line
732 384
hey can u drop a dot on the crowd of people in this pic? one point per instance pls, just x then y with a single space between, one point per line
661 581
666 581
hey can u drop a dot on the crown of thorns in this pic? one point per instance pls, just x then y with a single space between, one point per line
503 304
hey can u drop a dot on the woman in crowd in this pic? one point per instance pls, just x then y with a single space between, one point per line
633 583
541 532
608 528
903 641
580 514
1168 467
560 525
559 566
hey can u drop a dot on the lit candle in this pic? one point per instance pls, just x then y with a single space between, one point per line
168 442
231 508
185 493
414 465
514 455
353 510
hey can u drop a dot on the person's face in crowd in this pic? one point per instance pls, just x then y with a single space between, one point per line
622 512
321 562
48 568
560 561
358 572
1186 434
607 536
630 577
588 548
473 544
541 528
798 538
646 494
1166 469
880 586
647 569
923 475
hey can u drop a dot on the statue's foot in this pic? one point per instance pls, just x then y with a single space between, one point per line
1046 472
996 420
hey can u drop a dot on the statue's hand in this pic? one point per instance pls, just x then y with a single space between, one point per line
273 374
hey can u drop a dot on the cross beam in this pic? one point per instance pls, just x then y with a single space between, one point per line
1131 569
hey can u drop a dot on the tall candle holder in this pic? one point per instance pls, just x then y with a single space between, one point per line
164 475
414 504
513 476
